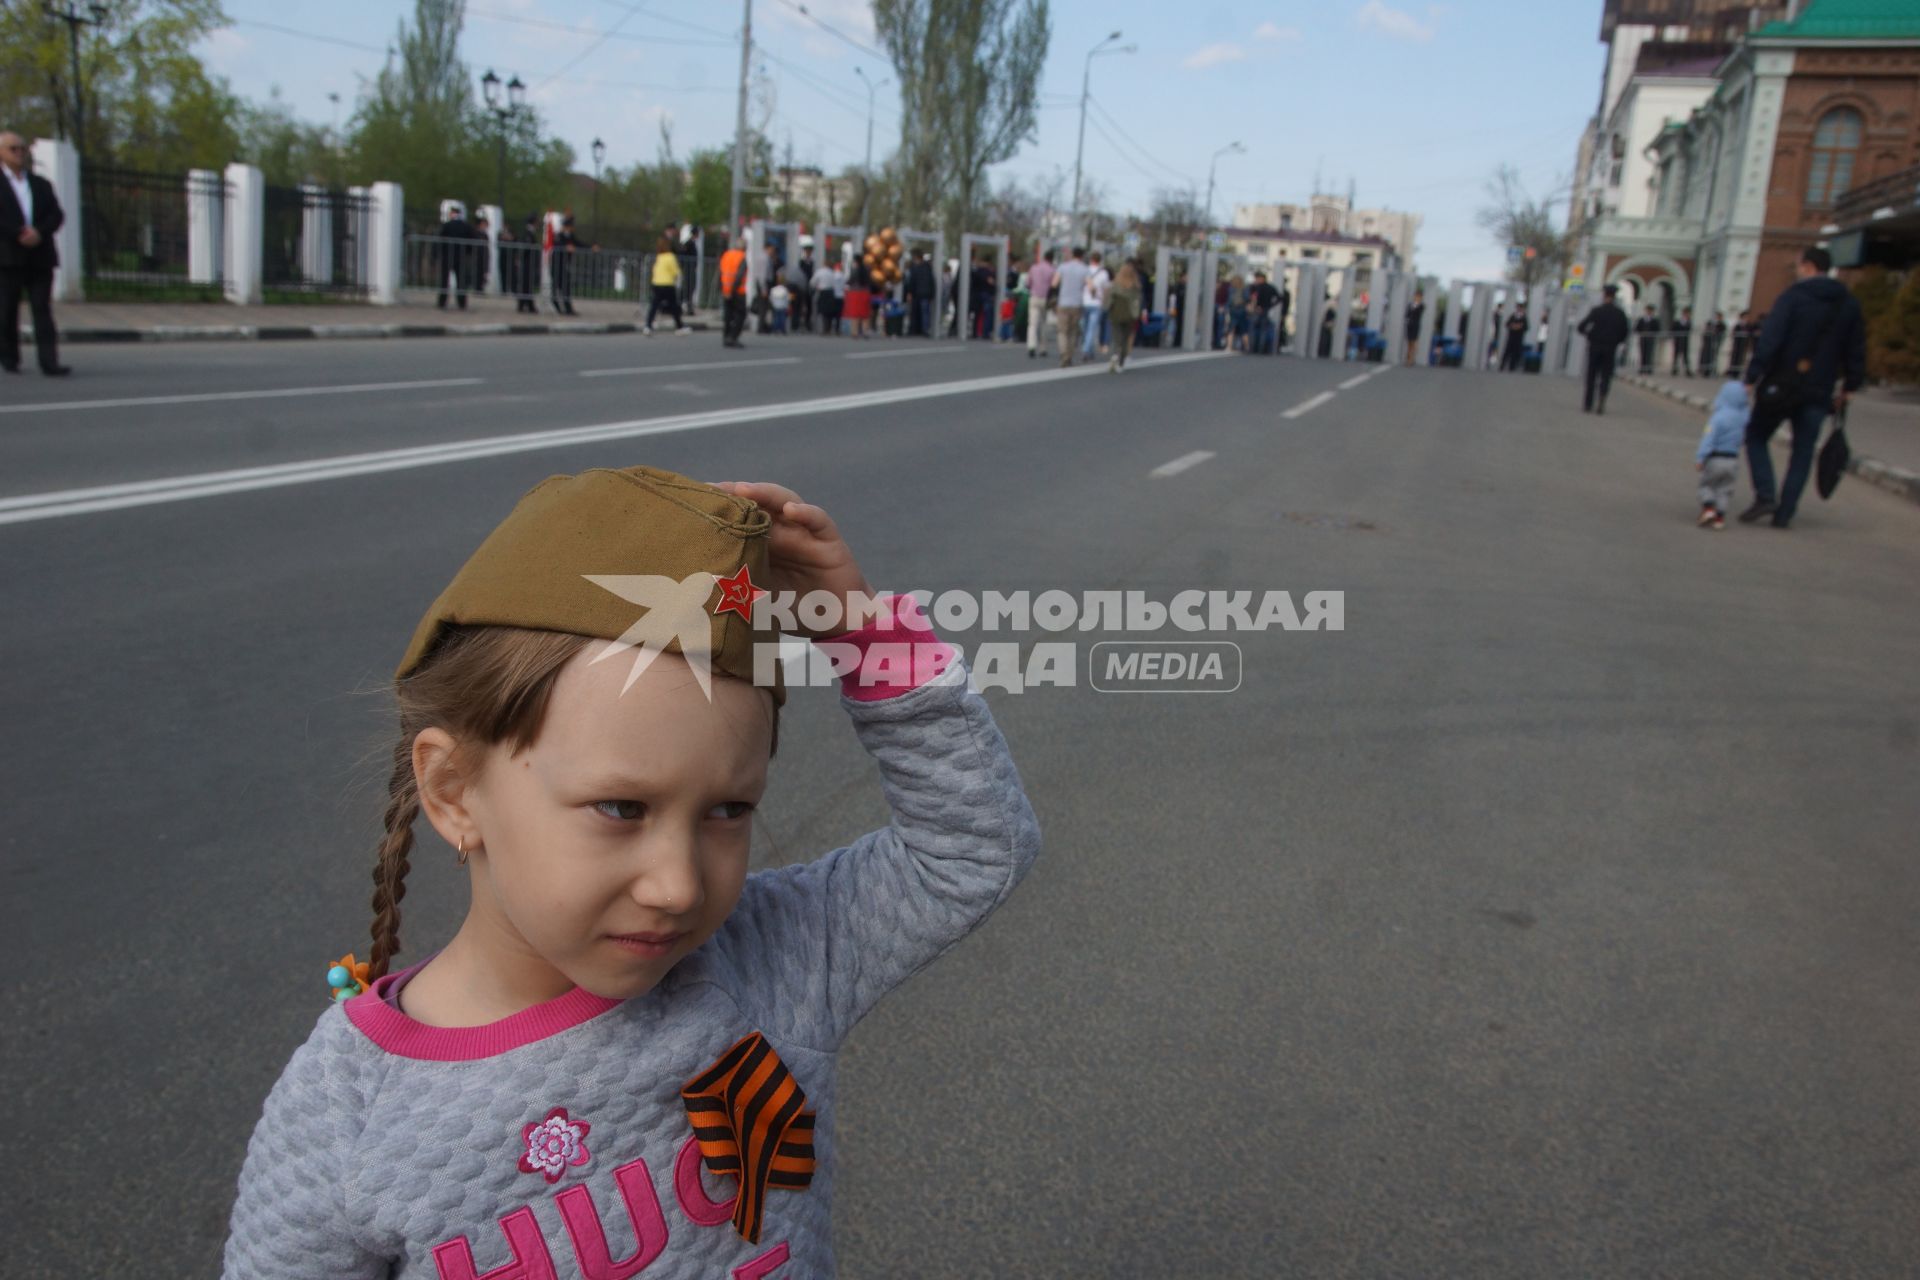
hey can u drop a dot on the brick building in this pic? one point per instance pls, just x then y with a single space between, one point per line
1801 111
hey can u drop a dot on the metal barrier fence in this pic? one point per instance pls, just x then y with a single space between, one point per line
316 241
445 266
138 232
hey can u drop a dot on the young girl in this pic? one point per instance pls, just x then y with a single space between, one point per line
624 1058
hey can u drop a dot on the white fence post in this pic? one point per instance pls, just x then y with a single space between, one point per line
246 232
316 234
206 211
387 236
59 164
496 219
360 236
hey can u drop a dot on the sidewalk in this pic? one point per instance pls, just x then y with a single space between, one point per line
416 317
1883 428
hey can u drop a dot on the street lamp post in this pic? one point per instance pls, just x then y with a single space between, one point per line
866 196
599 154
96 16
1086 86
516 96
1231 149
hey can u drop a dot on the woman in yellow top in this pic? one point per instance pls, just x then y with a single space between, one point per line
666 286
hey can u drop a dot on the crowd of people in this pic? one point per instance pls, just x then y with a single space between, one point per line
462 263
1090 311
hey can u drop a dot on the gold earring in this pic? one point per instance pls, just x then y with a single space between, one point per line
462 857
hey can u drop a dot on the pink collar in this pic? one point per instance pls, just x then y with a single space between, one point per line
395 1032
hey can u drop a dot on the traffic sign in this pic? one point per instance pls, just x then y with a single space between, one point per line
1578 271
1217 240
1515 255
1132 241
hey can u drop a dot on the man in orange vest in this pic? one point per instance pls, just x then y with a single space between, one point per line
733 295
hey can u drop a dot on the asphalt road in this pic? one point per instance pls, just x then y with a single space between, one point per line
1557 917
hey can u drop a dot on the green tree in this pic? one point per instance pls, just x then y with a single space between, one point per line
419 125
969 75
710 183
1894 350
149 103
1877 292
287 150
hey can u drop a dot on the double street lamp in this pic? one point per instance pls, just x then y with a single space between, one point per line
95 16
516 94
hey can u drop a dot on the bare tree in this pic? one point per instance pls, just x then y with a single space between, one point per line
1517 220
1177 217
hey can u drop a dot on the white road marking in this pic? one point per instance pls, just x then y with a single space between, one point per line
685 368
1181 463
140 493
54 406
1308 406
942 349
1351 383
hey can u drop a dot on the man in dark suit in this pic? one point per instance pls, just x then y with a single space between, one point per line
1811 357
456 259
29 216
1605 328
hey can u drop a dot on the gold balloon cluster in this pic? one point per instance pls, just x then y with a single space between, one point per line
882 256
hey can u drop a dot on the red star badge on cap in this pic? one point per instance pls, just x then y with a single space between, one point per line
737 595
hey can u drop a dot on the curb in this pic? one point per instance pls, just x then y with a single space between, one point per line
289 333
1895 480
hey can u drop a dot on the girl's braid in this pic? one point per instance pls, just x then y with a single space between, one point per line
390 872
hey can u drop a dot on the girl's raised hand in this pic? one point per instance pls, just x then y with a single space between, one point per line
806 552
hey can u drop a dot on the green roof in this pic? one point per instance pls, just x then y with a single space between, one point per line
1849 20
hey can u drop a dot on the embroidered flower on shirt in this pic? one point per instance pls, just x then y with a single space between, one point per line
553 1144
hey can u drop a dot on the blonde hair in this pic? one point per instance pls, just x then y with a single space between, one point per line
483 686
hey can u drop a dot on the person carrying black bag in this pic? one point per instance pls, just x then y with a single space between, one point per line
1814 336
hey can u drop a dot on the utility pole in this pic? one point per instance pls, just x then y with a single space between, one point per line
866 198
96 16
740 126
1086 87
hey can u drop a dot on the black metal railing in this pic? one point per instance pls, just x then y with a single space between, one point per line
314 240
1899 191
152 235
442 266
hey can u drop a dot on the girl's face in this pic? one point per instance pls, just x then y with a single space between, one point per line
617 843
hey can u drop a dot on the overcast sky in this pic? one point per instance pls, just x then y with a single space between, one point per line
1415 104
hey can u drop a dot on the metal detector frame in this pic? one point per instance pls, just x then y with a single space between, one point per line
1196 305
938 240
963 276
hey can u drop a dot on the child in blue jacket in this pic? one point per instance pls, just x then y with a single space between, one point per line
1718 459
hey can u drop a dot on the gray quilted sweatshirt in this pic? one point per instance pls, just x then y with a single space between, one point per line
556 1143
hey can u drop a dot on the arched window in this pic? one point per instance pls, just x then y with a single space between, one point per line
1835 141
